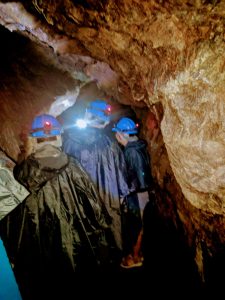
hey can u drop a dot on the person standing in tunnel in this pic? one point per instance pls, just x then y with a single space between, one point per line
140 184
59 230
103 159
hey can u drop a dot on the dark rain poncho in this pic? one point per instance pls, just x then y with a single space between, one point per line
58 230
103 159
138 164
140 183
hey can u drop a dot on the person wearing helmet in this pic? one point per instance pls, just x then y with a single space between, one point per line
98 114
59 230
103 159
140 182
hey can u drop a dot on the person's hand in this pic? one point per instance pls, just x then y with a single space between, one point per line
121 139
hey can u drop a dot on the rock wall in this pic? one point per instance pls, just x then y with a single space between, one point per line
29 83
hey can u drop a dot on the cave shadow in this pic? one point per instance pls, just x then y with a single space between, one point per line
169 269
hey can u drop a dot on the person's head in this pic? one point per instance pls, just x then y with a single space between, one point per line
98 113
45 129
126 131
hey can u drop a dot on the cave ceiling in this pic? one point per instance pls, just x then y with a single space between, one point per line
144 53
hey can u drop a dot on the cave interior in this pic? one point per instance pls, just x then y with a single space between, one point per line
161 62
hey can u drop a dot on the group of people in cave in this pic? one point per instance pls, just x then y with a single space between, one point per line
87 184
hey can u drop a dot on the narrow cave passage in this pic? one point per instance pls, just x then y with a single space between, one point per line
32 79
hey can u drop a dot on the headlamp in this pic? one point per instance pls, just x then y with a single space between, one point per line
81 123
108 110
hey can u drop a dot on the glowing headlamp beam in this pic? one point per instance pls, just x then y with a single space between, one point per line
81 123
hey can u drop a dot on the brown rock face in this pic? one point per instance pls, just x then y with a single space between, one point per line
165 59
29 85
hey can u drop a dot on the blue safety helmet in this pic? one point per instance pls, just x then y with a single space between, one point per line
126 125
100 109
45 126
